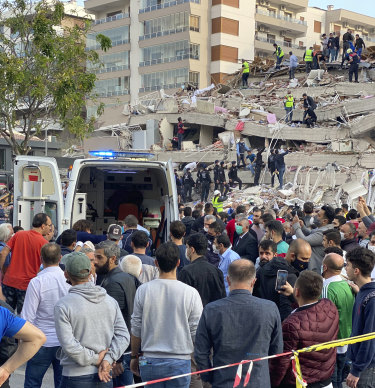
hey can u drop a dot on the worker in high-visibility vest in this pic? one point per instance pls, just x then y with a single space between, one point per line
245 73
279 55
217 201
308 58
289 105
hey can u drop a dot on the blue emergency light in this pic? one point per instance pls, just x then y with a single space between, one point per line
121 154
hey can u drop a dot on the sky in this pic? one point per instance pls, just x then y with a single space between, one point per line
365 7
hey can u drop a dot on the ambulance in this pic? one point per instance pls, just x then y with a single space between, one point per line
103 189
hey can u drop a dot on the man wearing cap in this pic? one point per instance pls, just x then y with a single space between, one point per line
223 185
233 177
90 328
114 234
353 65
122 287
217 201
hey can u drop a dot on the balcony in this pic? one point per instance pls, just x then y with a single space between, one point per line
163 33
264 44
93 6
112 18
293 5
111 69
167 4
168 60
348 18
293 27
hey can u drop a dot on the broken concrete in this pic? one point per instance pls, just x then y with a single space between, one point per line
205 107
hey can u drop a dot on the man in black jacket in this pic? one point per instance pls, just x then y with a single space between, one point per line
188 220
121 287
216 174
189 183
223 185
205 180
207 279
247 243
258 165
232 175
296 259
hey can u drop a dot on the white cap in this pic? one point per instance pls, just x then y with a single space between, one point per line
216 192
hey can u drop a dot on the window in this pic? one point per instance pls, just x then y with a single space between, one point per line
112 87
194 23
194 51
111 62
118 36
317 26
302 18
169 79
194 78
288 15
2 159
166 25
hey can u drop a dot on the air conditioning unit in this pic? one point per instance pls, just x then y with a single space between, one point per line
282 8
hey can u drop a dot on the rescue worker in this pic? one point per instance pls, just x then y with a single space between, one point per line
188 185
233 177
258 166
308 58
241 148
223 185
288 106
205 180
245 73
308 102
271 166
348 39
353 65
180 132
359 45
217 201
310 118
216 174
279 55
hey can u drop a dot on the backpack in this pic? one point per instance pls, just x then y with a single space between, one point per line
313 104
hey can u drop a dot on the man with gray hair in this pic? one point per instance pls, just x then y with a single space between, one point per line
88 349
222 322
246 245
122 287
132 265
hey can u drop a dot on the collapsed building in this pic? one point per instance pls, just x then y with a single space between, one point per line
335 158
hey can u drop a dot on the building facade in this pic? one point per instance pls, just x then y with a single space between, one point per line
164 44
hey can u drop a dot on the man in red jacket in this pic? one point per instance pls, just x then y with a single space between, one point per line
315 321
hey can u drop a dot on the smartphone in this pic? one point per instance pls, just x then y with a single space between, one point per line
281 279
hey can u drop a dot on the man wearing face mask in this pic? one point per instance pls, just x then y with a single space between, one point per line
207 279
348 239
222 247
247 244
215 229
315 237
295 261
363 235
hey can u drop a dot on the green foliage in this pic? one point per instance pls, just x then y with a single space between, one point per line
43 75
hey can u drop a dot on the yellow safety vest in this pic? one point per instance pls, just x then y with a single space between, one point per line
309 55
281 54
216 204
245 68
289 101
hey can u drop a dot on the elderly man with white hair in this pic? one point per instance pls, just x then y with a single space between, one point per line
6 232
132 265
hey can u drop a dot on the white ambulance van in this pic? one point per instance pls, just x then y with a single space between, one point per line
103 189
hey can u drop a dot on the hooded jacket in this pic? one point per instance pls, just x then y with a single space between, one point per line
82 335
362 354
266 281
349 244
188 222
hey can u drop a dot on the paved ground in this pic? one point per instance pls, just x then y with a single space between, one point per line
18 378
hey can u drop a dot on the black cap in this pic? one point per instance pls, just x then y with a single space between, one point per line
234 162
216 161
221 163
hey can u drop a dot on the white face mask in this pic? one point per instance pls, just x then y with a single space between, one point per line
371 248
186 255
205 229
215 250
342 236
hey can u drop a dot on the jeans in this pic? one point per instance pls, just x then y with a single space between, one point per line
251 168
14 297
37 367
224 188
281 176
241 158
332 54
158 368
309 66
127 376
180 137
245 76
291 72
258 169
367 379
272 172
86 381
187 192
278 62
338 377
289 114
205 191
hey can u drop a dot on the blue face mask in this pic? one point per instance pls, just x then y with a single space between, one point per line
239 229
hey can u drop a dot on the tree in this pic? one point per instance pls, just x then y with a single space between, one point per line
43 77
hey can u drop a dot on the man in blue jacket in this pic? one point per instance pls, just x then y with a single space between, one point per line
241 148
360 263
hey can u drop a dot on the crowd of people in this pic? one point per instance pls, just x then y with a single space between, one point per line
231 284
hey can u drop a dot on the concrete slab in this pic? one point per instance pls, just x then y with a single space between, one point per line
205 107
166 131
187 157
206 135
363 126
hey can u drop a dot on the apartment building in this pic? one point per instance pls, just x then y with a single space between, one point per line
164 44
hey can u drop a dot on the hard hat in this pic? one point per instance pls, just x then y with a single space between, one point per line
349 51
216 192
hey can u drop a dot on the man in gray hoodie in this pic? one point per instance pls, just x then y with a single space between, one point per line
90 328
315 237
